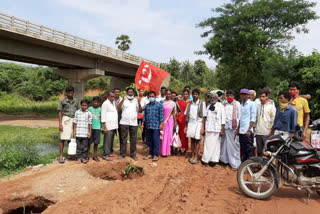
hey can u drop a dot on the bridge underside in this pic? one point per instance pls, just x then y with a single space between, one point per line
76 65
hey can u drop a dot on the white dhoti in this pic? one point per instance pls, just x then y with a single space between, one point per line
211 152
67 124
194 129
230 149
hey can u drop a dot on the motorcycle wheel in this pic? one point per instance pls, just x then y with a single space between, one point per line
258 188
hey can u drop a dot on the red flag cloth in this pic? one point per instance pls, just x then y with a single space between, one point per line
150 77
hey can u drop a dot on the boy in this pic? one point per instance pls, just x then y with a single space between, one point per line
67 108
96 127
82 125
266 112
285 120
195 119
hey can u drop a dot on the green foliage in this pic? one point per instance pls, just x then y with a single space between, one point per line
244 35
18 147
15 104
129 169
123 42
98 83
35 83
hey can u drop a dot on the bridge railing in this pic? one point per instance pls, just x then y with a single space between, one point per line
13 24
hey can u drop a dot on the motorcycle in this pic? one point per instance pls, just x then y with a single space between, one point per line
289 159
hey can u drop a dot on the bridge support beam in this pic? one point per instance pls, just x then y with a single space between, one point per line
78 78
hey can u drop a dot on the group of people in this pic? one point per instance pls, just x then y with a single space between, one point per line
230 129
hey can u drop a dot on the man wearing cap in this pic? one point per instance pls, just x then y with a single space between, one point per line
245 129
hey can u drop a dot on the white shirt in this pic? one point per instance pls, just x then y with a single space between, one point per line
194 111
215 119
228 108
265 117
109 115
159 98
130 109
144 101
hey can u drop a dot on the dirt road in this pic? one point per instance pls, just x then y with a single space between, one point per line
32 121
171 185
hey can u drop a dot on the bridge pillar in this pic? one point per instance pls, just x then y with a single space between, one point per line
78 78
121 83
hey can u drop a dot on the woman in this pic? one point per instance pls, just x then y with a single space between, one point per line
181 119
169 124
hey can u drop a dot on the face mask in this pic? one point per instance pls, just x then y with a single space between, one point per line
283 105
294 93
130 97
230 99
151 99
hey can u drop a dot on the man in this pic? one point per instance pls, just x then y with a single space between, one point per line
109 120
252 97
220 96
266 113
230 149
67 108
174 96
117 100
195 119
129 123
153 119
302 107
162 95
214 128
285 120
247 120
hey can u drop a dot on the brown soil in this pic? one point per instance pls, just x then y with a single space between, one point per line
170 185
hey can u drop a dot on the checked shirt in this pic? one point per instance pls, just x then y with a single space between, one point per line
82 119
153 115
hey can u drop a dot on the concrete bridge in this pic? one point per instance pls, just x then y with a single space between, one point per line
75 58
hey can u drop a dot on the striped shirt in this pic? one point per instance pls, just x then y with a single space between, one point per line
83 119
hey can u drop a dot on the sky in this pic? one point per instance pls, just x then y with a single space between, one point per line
159 29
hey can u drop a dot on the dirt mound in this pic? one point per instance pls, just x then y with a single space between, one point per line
29 204
115 171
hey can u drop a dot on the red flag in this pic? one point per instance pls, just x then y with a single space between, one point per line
151 78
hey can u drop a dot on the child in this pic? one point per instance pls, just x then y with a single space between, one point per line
67 108
82 125
96 127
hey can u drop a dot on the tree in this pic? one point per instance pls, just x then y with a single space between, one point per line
244 34
123 42
173 67
199 69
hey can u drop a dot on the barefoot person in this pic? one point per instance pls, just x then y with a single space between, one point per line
153 119
109 119
214 127
67 108
195 113
82 125
96 127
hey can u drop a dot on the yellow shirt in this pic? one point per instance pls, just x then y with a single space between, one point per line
302 107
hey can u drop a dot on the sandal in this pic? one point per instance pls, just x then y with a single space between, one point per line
147 157
155 158
96 159
84 161
61 160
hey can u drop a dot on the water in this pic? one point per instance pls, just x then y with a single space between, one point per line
46 148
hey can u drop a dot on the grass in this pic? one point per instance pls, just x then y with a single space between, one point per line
15 104
18 147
